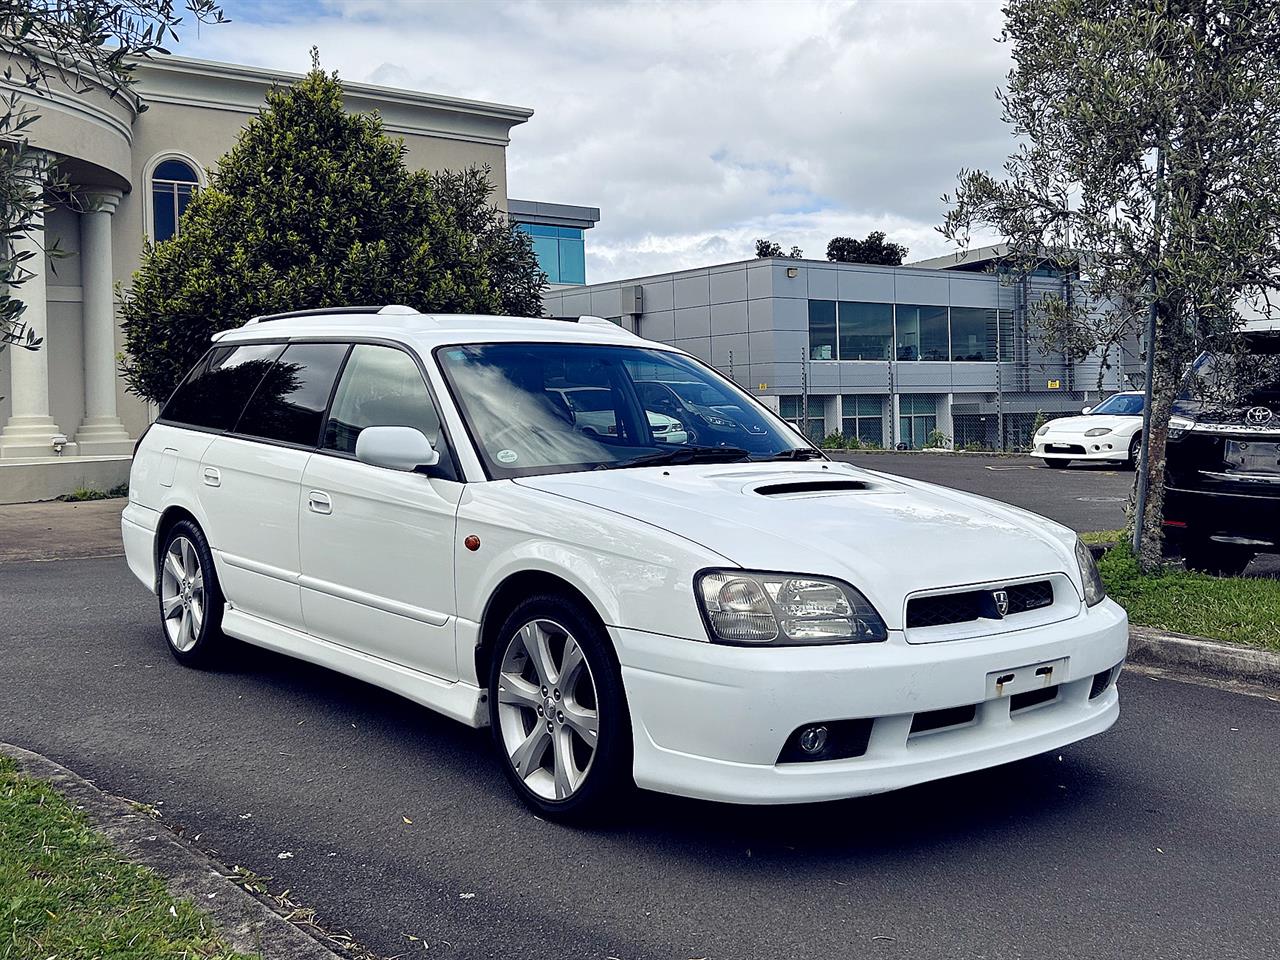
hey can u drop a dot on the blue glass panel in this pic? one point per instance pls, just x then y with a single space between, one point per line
166 220
548 253
183 194
568 233
537 229
175 170
573 261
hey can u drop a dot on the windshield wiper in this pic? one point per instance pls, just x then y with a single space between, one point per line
798 453
683 454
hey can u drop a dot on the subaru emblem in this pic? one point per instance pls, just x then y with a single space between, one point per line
1002 602
1258 416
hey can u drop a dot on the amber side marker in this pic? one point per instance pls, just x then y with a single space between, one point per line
472 543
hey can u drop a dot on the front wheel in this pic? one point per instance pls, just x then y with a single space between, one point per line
1056 464
1135 451
191 600
558 711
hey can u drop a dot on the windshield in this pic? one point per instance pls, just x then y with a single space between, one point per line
1234 380
1120 405
558 407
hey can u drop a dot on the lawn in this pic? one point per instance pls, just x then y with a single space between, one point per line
1235 609
65 893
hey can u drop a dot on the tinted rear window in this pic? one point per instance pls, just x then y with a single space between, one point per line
215 391
289 403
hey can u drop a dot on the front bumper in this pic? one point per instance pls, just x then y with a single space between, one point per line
1081 448
710 721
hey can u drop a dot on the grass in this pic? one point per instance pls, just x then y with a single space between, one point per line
65 892
1234 609
1095 537
81 494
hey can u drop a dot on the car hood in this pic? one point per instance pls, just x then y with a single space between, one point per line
1078 425
886 535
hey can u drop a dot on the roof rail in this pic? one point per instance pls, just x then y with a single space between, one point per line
593 321
389 309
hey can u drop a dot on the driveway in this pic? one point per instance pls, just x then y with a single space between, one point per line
1157 839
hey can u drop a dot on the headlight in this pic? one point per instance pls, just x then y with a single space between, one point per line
1094 591
1097 431
1178 426
780 609
1043 430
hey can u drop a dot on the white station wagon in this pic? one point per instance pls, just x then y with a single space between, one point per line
408 499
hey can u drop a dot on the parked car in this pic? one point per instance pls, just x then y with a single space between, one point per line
1222 467
401 498
1110 431
593 412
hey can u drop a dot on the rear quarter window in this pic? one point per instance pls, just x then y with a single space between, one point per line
214 393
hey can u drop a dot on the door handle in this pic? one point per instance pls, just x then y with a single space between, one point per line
212 477
319 502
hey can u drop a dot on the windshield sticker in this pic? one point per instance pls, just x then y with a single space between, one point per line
508 456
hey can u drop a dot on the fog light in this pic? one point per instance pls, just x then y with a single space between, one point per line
813 739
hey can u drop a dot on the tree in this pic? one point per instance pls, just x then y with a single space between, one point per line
315 207
1149 152
80 44
871 250
767 248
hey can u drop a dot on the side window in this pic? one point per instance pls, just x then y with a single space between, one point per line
289 403
215 391
380 387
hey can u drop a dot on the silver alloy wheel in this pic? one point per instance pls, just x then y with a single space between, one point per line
182 594
547 709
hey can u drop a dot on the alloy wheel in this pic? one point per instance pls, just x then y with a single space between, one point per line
182 596
548 713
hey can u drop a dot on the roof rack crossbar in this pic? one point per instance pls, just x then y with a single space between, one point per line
318 311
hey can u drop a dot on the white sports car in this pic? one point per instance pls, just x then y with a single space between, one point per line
1110 431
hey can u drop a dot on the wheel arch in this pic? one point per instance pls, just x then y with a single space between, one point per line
171 516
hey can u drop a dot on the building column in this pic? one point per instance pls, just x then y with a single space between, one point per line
31 430
102 433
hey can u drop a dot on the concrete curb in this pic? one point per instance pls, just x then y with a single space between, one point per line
1195 654
246 922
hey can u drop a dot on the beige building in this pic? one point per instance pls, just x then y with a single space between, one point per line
66 420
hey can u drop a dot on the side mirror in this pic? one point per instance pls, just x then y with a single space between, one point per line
1086 410
396 448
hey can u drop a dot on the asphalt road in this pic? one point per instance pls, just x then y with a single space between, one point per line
1084 496
1156 840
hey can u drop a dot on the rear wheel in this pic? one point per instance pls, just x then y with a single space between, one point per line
558 712
1218 559
1056 464
191 601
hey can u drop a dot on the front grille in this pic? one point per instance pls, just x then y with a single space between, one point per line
971 605
930 720
1032 698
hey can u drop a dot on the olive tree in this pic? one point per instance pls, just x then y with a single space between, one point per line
1148 151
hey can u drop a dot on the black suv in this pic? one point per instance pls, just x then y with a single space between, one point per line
1222 481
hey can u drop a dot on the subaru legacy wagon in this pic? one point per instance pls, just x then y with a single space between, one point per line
718 612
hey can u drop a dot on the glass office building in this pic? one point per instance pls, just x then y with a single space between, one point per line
556 231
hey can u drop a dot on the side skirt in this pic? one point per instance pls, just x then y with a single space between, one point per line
460 701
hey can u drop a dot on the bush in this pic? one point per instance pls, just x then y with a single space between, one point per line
937 440
833 441
852 443
314 207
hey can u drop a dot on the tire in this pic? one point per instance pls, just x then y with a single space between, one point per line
547 756
191 601
1135 452
1217 559
1057 464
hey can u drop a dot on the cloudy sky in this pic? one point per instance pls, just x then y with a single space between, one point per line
695 127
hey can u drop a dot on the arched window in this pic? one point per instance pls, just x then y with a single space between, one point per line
173 183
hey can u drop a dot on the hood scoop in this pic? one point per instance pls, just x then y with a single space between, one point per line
810 488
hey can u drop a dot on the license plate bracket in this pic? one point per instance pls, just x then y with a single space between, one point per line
1251 456
1034 676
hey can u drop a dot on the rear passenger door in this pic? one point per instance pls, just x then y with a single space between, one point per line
377 544
249 480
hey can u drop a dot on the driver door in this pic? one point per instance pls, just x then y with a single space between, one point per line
377 543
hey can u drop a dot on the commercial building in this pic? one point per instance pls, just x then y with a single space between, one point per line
885 354
66 419
556 231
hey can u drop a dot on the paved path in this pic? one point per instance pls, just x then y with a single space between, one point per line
1158 839
58 530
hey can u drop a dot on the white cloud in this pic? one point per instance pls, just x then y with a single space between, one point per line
695 127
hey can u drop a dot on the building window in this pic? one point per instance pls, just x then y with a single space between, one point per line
866 331
791 409
917 418
862 418
922 332
974 333
173 184
561 251
822 330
